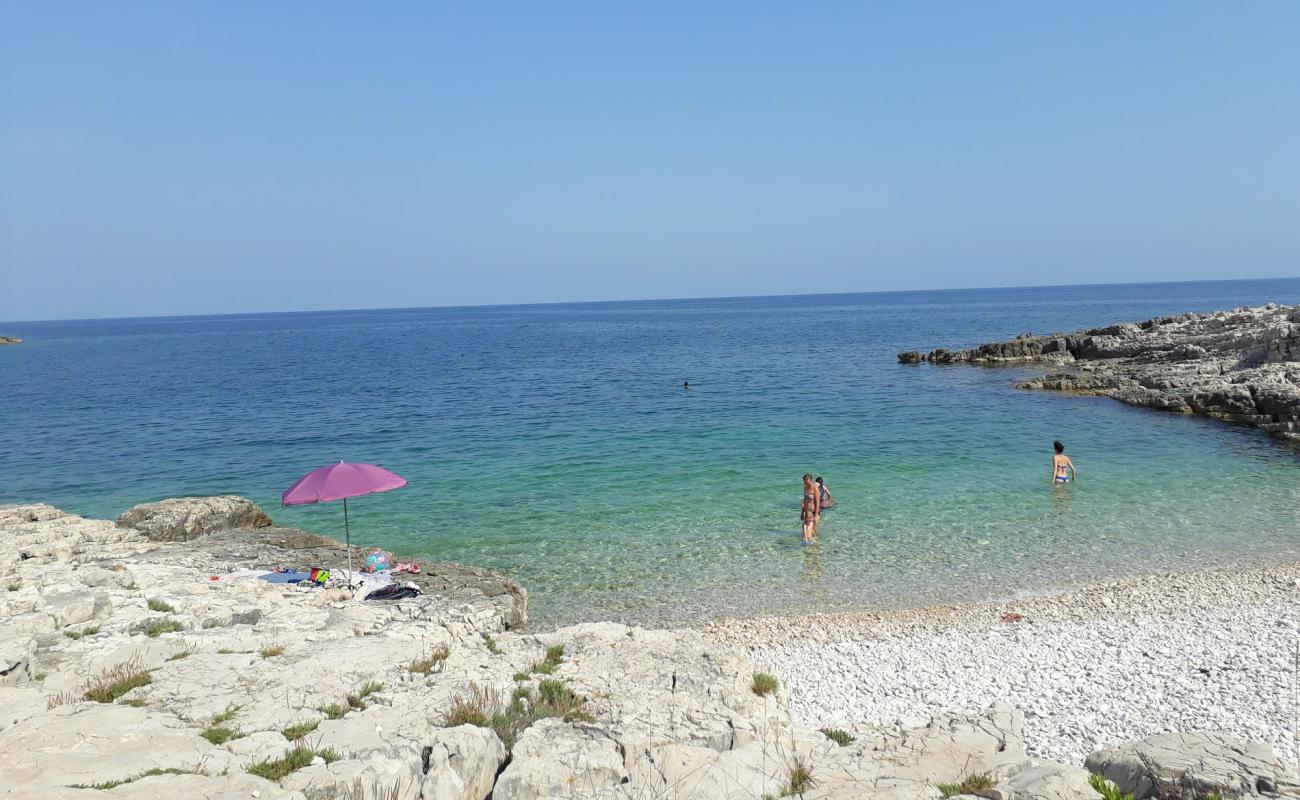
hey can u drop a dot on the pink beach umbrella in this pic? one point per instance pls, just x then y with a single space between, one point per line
339 482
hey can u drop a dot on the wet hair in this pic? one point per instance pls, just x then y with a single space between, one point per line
807 477
1060 448
819 479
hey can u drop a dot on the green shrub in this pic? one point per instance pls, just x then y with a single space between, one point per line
971 784
272 650
116 681
295 732
491 645
160 605
219 734
333 711
554 657
276 769
764 684
1110 791
842 738
160 626
74 635
485 709
801 779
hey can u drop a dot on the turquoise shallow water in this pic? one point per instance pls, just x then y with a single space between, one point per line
555 443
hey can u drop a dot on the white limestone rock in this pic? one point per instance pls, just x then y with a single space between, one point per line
1190 765
463 764
180 519
556 759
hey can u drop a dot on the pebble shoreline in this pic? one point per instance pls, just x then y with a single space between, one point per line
1213 650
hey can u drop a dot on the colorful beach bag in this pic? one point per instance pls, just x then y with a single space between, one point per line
378 561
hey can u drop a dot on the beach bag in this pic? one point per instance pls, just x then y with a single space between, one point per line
378 561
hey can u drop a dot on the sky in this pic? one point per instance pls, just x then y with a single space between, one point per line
210 157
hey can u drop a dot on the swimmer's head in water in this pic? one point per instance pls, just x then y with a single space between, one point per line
807 478
819 479
1060 448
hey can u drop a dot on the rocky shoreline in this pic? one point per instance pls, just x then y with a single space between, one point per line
1238 366
10 340
133 665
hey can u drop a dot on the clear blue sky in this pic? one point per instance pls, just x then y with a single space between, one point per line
206 157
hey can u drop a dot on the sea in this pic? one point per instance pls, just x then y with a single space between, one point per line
557 445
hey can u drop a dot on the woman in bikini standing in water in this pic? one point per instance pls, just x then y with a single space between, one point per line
810 510
1062 466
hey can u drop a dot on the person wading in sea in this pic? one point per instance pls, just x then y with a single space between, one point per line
824 494
810 510
1062 466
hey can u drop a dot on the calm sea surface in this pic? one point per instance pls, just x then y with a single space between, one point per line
556 444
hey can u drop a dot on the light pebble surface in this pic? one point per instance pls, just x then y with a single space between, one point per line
1211 650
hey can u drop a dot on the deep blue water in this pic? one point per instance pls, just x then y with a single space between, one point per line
555 443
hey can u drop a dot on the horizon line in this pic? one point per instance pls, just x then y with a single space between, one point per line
466 306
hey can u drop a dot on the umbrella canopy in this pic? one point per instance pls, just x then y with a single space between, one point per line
339 482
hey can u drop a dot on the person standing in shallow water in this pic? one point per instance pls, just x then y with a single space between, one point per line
810 510
1062 466
824 494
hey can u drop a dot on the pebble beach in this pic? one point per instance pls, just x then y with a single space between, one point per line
1211 650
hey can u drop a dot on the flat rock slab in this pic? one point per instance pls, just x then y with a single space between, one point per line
1190 765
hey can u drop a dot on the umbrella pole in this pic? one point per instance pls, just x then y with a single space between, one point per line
347 535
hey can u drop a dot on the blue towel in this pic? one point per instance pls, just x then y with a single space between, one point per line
285 577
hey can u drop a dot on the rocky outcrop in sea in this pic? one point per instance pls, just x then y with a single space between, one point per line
142 664
1239 366
10 340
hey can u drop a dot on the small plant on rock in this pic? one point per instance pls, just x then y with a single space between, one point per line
1108 790
333 711
764 684
160 626
295 732
276 769
219 734
329 755
555 699
491 645
800 780
272 650
217 731
554 657
971 784
186 653
160 605
476 708
425 665
74 635
358 700
842 738
116 681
